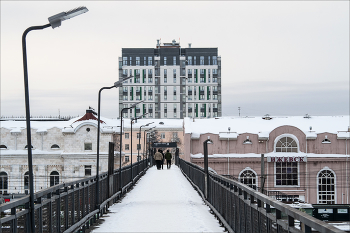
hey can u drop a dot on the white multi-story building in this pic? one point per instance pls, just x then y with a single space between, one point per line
172 82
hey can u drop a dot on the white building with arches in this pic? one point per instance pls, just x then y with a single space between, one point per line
62 151
305 158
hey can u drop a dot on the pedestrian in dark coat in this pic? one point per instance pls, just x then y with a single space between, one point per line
168 157
162 163
158 157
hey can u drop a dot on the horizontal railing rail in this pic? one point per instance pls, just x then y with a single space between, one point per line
69 207
242 209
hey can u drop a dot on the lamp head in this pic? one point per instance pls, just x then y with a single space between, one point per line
120 82
134 105
56 20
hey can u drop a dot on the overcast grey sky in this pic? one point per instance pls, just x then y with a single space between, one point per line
278 57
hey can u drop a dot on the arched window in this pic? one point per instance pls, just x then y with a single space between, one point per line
55 146
326 140
3 147
247 141
3 183
26 181
248 177
326 187
54 178
286 144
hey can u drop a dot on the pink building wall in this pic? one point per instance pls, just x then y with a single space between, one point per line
332 156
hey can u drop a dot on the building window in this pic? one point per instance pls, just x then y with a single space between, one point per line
326 140
194 60
87 146
126 146
3 183
215 61
137 61
150 76
286 174
126 135
165 60
286 144
54 178
326 187
247 141
201 60
26 181
149 61
162 135
55 146
189 60
87 170
174 60
125 61
189 75
130 61
127 158
174 134
208 60
248 177
138 146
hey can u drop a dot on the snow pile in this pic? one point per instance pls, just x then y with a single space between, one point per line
161 201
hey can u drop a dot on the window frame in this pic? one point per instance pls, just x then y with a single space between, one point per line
334 184
252 172
275 175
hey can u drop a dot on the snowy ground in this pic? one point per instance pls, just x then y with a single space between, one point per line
161 201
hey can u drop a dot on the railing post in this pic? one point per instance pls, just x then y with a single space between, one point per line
206 170
40 213
73 205
66 210
58 211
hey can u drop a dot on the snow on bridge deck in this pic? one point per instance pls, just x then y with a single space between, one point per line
161 201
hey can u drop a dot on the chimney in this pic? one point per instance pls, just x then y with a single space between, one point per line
189 45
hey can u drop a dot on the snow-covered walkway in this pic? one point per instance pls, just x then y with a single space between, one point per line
161 201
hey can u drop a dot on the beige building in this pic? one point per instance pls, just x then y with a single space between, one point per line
135 143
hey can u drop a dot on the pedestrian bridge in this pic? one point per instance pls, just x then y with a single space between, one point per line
143 199
161 201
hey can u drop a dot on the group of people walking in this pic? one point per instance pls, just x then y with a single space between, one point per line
159 156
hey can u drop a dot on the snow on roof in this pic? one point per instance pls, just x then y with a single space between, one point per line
343 135
257 125
272 154
70 126
159 123
228 135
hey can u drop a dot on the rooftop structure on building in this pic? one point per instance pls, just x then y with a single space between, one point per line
173 82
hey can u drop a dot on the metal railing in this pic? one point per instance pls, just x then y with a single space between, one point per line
69 207
242 209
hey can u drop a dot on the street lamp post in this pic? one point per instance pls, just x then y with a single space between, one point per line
206 169
145 138
120 146
116 84
54 21
138 151
131 122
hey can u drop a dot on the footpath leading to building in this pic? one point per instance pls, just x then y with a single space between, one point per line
161 201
